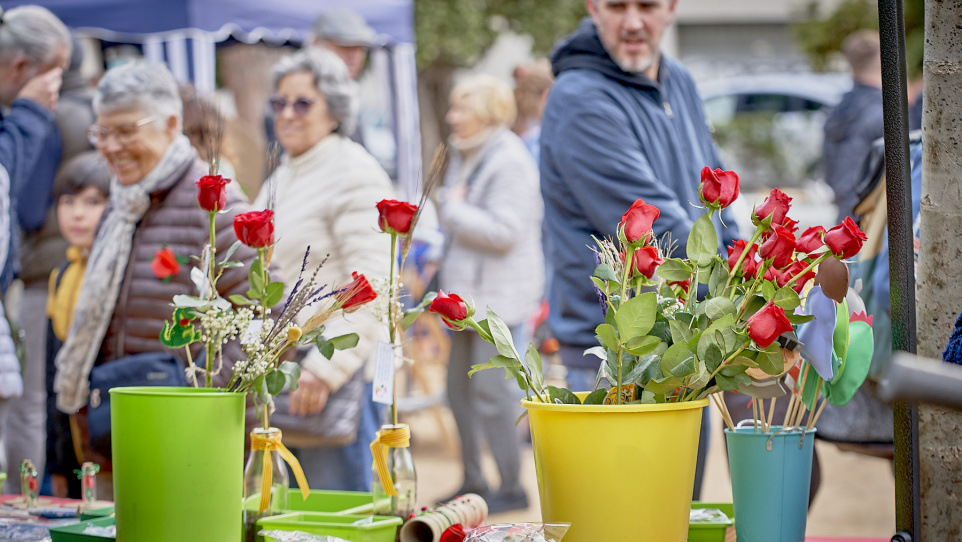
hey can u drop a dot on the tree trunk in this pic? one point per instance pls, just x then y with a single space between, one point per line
939 293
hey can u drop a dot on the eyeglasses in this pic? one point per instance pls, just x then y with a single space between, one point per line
123 134
300 106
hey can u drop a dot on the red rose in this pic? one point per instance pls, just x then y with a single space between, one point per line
395 216
775 205
357 293
165 264
636 222
683 284
89 482
256 228
811 240
791 272
451 308
770 274
749 264
212 192
767 324
454 533
779 248
645 261
790 225
845 240
718 188
32 483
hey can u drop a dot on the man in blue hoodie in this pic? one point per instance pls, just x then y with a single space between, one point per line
622 122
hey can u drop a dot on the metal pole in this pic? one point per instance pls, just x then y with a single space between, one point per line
901 258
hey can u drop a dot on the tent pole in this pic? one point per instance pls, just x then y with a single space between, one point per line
901 258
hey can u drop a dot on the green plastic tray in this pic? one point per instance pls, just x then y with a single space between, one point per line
352 527
97 513
74 533
330 502
711 532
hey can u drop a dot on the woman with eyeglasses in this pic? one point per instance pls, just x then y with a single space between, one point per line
124 301
325 190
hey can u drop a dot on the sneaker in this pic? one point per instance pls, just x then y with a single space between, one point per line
483 493
503 502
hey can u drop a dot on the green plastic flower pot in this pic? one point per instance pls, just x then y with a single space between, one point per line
178 464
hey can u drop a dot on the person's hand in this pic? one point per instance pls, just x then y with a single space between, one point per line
58 486
310 396
44 88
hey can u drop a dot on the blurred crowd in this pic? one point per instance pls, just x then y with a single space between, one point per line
97 180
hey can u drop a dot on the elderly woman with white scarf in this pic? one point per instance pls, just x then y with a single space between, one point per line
124 302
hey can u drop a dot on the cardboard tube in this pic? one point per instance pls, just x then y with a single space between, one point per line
469 510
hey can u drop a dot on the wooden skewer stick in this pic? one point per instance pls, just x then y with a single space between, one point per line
791 405
719 404
818 389
800 400
771 413
819 413
755 413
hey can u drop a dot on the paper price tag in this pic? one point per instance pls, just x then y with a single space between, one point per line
384 374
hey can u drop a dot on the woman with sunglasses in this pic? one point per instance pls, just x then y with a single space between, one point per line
124 301
324 193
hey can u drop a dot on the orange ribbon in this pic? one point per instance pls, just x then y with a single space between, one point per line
389 436
272 443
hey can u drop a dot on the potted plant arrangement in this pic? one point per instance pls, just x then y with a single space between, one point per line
676 331
177 452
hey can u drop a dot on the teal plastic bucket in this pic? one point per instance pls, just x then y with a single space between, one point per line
771 474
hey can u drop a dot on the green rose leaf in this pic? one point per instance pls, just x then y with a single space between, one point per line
636 316
767 288
674 270
713 357
291 372
255 277
240 300
533 359
702 241
605 272
725 324
596 397
641 346
639 369
325 346
718 278
410 315
733 370
687 367
726 383
343 342
663 385
743 361
797 319
770 360
679 331
718 307
787 299
275 292
496 361
675 355
607 336
562 396
501 335
260 387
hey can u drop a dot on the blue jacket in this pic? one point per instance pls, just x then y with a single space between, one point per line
854 124
608 138
30 152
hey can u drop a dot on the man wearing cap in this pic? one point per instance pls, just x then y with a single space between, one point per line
346 34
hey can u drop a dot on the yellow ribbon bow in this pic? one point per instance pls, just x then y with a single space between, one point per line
390 436
272 443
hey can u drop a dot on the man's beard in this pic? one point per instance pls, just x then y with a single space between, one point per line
635 65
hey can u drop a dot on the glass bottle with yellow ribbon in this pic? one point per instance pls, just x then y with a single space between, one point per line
266 482
395 480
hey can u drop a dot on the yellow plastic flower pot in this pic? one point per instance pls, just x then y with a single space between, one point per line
178 464
616 472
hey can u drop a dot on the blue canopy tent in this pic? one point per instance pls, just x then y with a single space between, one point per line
184 33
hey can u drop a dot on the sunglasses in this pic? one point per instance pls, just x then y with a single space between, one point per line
300 106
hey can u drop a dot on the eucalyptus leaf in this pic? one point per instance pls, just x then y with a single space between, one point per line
343 342
221 304
275 382
504 362
562 396
636 316
410 315
702 241
674 270
607 336
260 387
183 300
199 279
326 348
230 252
232 265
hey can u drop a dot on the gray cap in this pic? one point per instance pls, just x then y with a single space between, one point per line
344 27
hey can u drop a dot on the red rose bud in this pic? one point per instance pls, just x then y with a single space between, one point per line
636 222
451 308
212 192
770 274
776 205
767 324
646 260
845 240
165 264
357 293
811 240
683 284
791 272
718 188
790 225
454 533
255 229
779 248
749 265
395 216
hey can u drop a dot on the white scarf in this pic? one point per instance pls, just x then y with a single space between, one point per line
105 271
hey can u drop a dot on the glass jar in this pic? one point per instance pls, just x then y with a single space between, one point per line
400 463
253 481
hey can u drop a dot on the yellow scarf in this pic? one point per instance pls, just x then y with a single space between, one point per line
62 300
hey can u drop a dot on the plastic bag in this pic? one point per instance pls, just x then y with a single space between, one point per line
708 515
298 536
519 532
